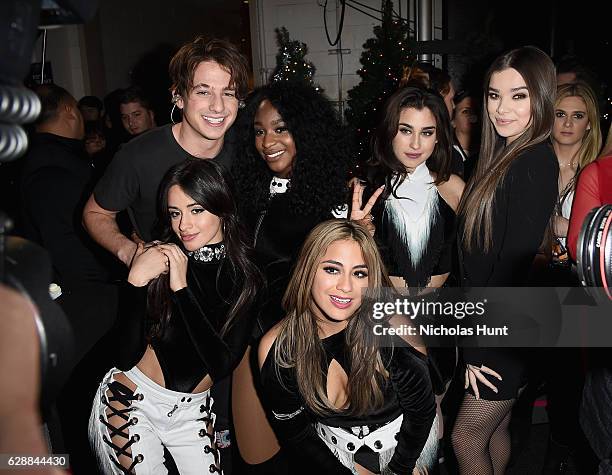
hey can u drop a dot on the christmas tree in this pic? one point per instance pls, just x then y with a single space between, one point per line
290 62
384 58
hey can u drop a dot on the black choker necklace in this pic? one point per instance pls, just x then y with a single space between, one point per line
208 253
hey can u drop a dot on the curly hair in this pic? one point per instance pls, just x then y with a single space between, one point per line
320 172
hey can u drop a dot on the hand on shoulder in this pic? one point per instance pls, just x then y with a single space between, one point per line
148 264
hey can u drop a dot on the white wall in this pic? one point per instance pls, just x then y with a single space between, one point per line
304 20
66 52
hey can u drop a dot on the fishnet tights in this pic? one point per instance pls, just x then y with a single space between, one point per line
481 438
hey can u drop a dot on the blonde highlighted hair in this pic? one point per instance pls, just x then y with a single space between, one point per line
591 142
298 344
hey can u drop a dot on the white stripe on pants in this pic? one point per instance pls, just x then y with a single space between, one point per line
159 418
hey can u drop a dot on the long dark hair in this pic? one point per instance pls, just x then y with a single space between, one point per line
323 160
384 164
209 186
495 158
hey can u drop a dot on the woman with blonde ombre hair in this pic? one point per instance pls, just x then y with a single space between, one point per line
339 402
576 139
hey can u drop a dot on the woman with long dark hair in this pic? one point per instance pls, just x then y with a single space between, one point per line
503 216
340 402
415 215
292 174
192 295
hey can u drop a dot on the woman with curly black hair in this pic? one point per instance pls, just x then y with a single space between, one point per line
291 176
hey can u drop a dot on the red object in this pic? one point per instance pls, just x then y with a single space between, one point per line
594 189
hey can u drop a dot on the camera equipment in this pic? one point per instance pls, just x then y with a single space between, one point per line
28 270
25 266
594 250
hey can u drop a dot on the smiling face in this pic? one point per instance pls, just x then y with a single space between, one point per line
571 121
336 289
416 139
273 140
509 104
211 106
193 225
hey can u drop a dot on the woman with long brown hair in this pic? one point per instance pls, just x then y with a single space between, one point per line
191 297
503 216
339 402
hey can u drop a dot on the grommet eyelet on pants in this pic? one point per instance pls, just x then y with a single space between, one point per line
149 431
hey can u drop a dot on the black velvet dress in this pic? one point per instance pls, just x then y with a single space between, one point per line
522 209
190 346
408 391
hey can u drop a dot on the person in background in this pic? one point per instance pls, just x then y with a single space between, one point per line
115 134
136 113
55 181
91 108
503 216
465 122
340 401
576 140
95 147
594 189
571 69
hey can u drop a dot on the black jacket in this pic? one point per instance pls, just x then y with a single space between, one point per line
55 183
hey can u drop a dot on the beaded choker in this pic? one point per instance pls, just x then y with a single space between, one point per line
208 253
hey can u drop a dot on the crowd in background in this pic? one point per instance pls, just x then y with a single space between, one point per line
238 238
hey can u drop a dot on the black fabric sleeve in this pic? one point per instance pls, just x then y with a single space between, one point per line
119 186
219 355
445 260
130 329
530 200
54 208
293 426
410 378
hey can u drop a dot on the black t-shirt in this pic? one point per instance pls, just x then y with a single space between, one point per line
132 179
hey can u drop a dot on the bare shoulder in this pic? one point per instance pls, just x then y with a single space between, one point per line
451 191
266 343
